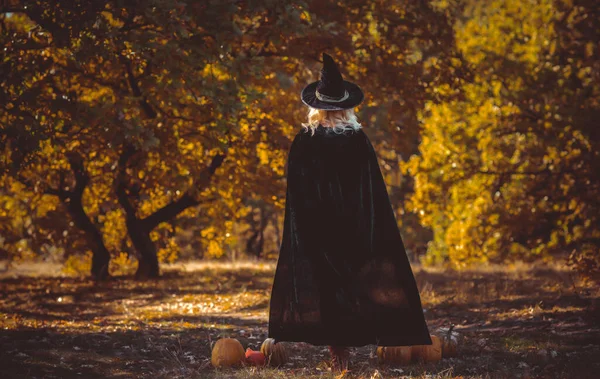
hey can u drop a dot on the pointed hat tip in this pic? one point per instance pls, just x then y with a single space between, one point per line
327 57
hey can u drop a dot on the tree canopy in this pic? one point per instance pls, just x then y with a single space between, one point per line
128 123
159 130
510 169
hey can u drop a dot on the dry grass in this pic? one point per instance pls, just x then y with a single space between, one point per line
518 321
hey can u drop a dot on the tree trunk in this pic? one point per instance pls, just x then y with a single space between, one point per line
73 201
139 229
100 254
146 253
148 267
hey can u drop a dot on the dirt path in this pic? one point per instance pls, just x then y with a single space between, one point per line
521 321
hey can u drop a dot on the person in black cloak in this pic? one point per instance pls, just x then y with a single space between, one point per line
343 278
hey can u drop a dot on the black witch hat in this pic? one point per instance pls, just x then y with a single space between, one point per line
331 92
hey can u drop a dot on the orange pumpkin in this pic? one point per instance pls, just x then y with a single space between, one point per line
255 358
428 353
275 353
394 354
227 352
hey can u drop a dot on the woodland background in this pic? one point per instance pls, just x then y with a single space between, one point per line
158 131
146 139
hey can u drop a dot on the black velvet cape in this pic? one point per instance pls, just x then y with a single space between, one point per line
343 276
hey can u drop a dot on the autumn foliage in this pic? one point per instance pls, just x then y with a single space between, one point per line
155 131
509 168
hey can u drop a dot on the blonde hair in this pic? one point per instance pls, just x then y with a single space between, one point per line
339 121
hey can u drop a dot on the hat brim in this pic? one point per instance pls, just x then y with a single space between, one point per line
356 96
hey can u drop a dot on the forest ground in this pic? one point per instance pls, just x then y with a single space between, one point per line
517 321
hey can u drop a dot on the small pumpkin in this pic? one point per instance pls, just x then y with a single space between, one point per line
449 341
428 353
227 352
275 353
255 358
394 354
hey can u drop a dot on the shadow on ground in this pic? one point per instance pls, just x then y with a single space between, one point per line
528 322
